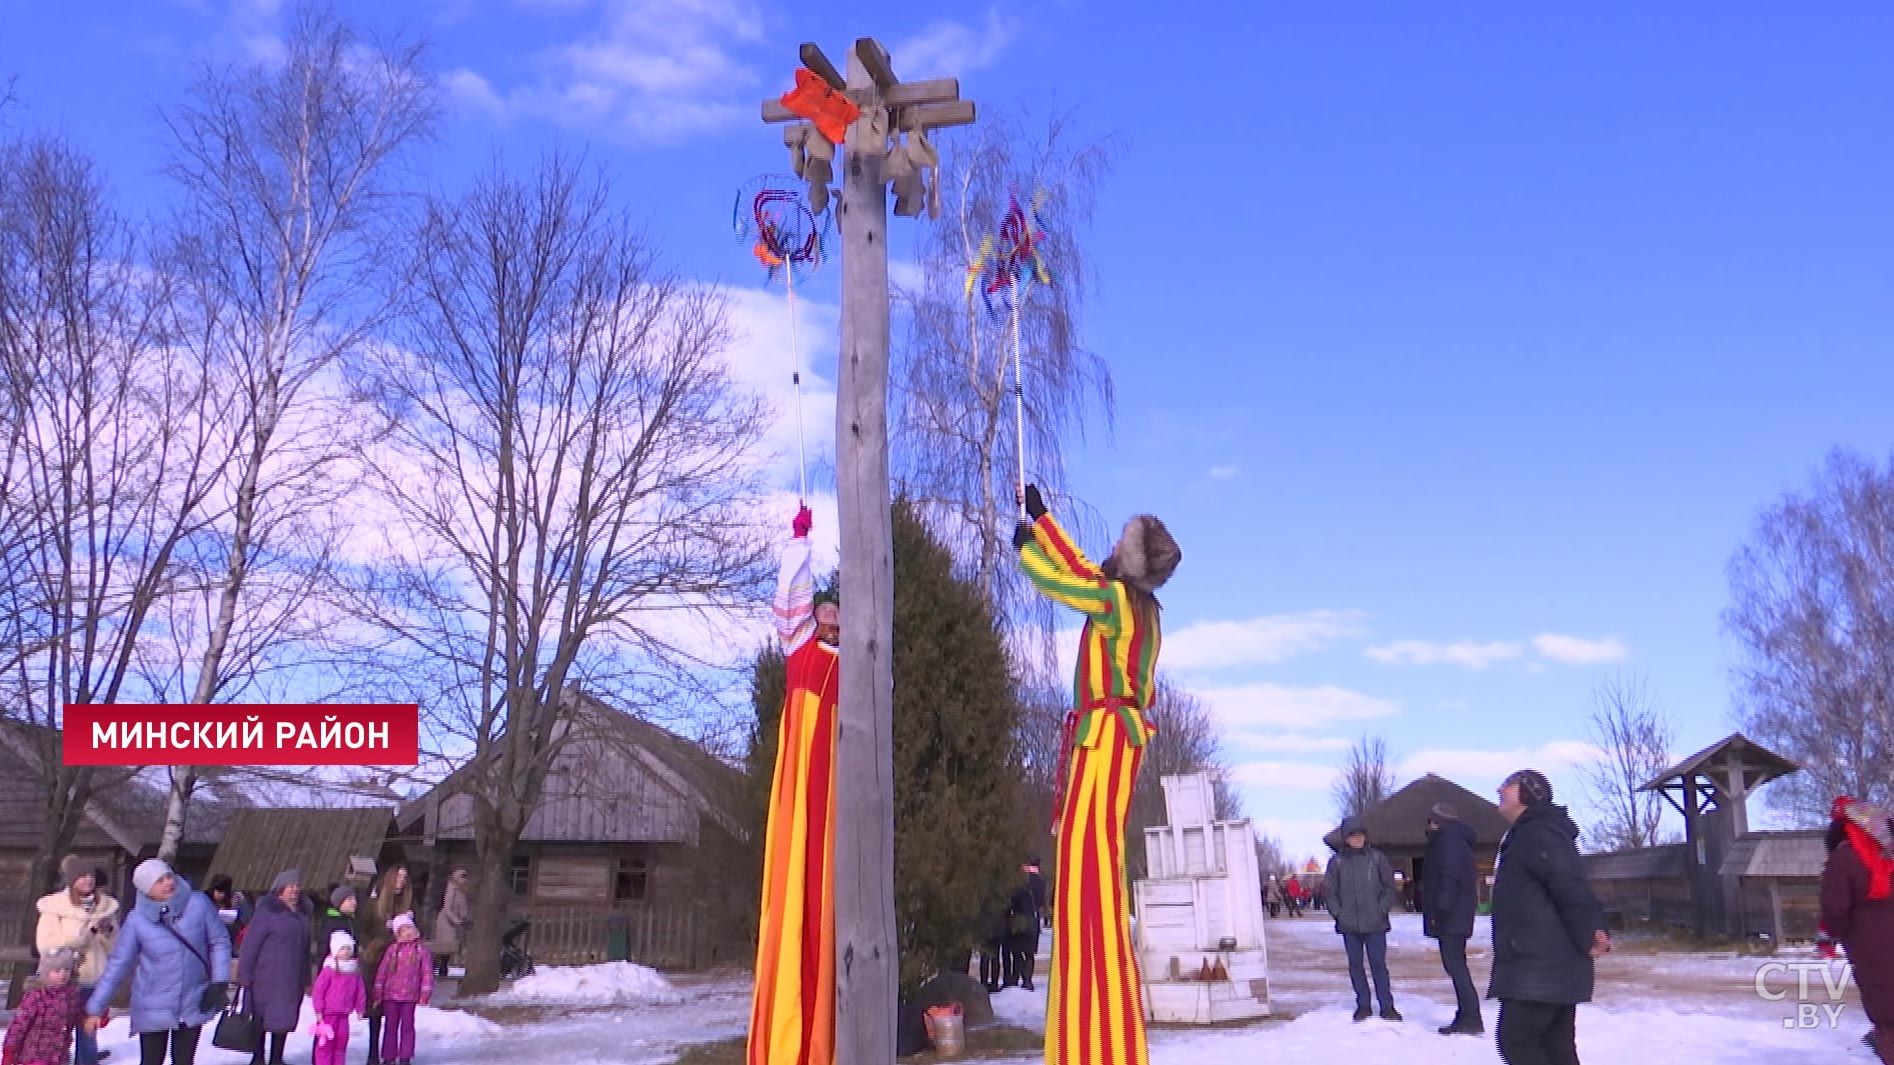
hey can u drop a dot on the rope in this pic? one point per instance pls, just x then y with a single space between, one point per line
795 375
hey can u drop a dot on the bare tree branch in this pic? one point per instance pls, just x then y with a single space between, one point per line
1634 739
1367 777
1812 617
575 477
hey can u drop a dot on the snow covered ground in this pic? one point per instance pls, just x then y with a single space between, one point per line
1652 1008
1657 1009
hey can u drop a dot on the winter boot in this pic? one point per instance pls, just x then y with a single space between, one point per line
1362 1013
1389 1013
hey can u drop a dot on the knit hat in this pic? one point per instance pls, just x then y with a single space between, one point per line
285 879
1533 786
341 895
1351 826
54 960
1444 811
401 919
148 873
1865 827
72 867
339 939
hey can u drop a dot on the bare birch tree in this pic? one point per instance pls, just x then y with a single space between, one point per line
1812 618
1367 777
575 475
955 423
288 174
108 472
1634 739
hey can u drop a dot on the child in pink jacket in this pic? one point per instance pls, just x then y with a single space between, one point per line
338 994
41 1030
404 982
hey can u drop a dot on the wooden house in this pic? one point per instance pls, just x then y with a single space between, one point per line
1397 826
636 837
326 845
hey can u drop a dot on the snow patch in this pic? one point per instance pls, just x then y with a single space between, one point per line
610 984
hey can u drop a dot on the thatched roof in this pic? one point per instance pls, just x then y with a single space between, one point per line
1400 820
316 842
1764 764
1643 863
1799 853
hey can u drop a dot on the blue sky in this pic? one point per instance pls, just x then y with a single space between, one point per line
1437 331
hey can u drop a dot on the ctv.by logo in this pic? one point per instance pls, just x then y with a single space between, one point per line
1818 986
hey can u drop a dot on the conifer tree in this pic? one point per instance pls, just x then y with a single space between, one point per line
956 763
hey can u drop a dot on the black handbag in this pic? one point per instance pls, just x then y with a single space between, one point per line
238 1028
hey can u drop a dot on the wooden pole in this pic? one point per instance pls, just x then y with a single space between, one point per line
866 961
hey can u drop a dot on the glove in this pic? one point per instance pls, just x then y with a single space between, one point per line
215 998
803 523
1035 503
1022 535
425 999
1824 944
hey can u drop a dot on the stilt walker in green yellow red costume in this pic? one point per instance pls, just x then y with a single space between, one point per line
1095 1014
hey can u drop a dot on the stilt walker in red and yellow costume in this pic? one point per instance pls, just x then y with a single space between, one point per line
1095 1014
792 1018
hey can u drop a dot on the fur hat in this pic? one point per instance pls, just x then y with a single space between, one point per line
400 920
72 867
1533 786
54 960
1146 554
285 879
148 873
339 939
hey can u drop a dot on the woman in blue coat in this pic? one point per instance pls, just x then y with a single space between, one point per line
274 965
177 954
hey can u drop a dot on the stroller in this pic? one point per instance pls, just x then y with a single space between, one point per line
514 961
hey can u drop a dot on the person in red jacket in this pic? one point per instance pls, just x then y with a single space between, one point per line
1858 910
1293 890
40 1032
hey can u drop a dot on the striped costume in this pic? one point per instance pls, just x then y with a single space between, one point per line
1095 1015
792 1018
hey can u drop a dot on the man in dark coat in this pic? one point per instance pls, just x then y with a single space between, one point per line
1547 927
1449 892
1858 910
273 966
1361 893
1022 924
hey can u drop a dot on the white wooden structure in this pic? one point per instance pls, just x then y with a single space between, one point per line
1200 914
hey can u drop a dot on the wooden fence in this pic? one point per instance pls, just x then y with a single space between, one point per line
662 937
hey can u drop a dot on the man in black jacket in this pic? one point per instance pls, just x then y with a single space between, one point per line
1449 895
1361 893
1547 927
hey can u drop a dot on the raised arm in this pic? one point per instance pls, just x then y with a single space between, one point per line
1060 571
795 589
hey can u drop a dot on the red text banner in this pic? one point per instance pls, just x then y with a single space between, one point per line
242 734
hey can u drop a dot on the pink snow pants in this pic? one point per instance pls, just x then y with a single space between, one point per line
397 1031
335 1051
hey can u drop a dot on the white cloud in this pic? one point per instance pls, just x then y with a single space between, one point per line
1292 743
1574 651
761 359
906 276
1466 653
1482 770
952 49
1276 706
1224 473
1288 776
1258 641
654 70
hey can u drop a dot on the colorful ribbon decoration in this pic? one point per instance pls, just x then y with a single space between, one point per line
1012 259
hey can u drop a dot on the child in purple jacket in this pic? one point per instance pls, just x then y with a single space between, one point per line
404 982
338 994
41 1030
